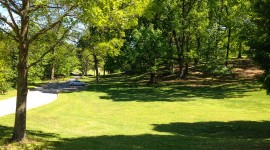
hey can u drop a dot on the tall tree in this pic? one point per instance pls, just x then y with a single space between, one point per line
20 15
105 22
260 39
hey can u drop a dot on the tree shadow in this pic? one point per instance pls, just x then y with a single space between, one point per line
180 135
128 91
234 129
201 135
32 135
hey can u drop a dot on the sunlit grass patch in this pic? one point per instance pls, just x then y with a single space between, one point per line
115 115
9 94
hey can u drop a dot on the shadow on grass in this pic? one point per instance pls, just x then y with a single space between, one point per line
180 135
222 130
32 135
201 135
169 93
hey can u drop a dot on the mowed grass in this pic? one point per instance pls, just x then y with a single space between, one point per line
9 94
118 114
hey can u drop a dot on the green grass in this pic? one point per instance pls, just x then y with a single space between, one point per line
9 94
118 114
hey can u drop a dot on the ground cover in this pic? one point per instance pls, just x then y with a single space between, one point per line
118 113
123 112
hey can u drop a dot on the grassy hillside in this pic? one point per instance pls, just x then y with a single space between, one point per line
119 113
124 112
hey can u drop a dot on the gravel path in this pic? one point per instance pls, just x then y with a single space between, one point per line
40 96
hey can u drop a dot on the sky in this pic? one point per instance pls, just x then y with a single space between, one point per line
3 11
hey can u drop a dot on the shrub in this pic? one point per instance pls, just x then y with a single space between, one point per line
4 87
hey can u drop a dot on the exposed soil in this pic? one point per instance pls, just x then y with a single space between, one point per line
249 73
242 70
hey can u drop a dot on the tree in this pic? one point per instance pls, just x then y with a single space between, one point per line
146 50
21 15
8 58
259 41
99 43
6 72
105 22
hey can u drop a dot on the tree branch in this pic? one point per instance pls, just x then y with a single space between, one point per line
36 7
4 19
13 20
11 35
14 5
51 48
7 6
44 30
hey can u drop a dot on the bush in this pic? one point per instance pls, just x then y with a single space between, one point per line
4 87
266 84
215 67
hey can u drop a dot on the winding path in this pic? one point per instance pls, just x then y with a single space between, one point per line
40 96
34 99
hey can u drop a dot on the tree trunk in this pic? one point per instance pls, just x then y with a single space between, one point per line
96 67
52 70
19 131
198 38
152 78
180 53
186 70
228 47
104 71
52 66
240 51
239 54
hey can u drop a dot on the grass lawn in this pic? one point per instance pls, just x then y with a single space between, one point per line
116 114
9 94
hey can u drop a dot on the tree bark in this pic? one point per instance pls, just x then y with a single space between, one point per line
19 131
